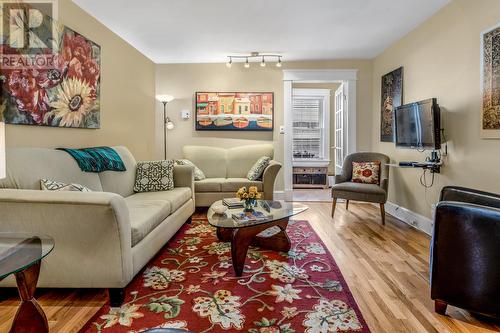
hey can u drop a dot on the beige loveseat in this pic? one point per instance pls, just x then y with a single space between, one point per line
226 171
102 238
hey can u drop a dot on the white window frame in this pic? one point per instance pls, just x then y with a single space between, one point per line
324 95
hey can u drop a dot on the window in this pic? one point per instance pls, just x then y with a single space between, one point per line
310 114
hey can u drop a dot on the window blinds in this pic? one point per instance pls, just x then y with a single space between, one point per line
307 127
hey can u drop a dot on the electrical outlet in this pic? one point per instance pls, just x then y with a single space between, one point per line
282 129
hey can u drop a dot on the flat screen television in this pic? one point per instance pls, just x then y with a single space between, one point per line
418 125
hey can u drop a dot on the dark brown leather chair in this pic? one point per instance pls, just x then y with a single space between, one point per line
465 251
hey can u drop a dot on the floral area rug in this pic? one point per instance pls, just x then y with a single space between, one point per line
191 285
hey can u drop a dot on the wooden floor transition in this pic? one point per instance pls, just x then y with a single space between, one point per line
386 268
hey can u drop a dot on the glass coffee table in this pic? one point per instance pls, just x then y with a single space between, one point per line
21 255
243 234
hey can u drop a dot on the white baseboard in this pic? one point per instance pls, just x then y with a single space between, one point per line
331 181
417 221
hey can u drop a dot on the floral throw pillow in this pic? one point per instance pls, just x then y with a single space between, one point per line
258 168
366 172
198 174
52 185
154 176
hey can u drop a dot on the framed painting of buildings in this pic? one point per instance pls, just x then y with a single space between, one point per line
490 83
234 111
55 83
391 98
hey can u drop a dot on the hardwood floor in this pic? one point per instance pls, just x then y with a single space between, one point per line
386 268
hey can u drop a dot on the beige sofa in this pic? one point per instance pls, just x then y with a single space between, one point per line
103 238
226 171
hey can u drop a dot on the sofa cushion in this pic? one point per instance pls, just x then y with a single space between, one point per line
366 172
122 182
258 168
52 185
210 160
198 174
176 197
145 215
233 184
154 176
26 166
209 185
241 159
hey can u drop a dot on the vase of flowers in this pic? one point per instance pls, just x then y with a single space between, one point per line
249 197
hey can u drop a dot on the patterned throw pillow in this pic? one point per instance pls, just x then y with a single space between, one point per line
52 185
154 176
198 174
366 172
258 168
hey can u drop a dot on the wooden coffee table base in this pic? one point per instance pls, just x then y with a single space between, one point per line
242 238
30 317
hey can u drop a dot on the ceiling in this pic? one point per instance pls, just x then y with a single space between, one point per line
197 31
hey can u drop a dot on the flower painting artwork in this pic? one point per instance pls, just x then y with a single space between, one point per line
490 81
234 111
56 83
391 98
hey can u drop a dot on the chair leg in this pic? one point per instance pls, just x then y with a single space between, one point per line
440 307
334 204
347 205
382 213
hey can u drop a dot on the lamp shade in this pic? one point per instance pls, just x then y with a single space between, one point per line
170 125
165 98
2 151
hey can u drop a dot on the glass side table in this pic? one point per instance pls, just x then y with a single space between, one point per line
21 254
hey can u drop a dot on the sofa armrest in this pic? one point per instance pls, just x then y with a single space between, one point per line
268 179
92 235
464 256
463 194
184 177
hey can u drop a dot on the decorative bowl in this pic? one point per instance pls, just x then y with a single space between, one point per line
219 209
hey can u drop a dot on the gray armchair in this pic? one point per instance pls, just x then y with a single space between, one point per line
344 188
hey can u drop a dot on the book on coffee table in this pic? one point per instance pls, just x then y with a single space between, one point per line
232 202
254 216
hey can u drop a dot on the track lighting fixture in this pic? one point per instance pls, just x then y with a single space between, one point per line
254 55
278 64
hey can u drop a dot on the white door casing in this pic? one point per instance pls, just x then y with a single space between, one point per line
348 78
339 129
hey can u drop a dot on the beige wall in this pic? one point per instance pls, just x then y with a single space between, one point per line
127 96
332 87
441 59
183 80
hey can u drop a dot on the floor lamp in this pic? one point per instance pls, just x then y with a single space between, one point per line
167 123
